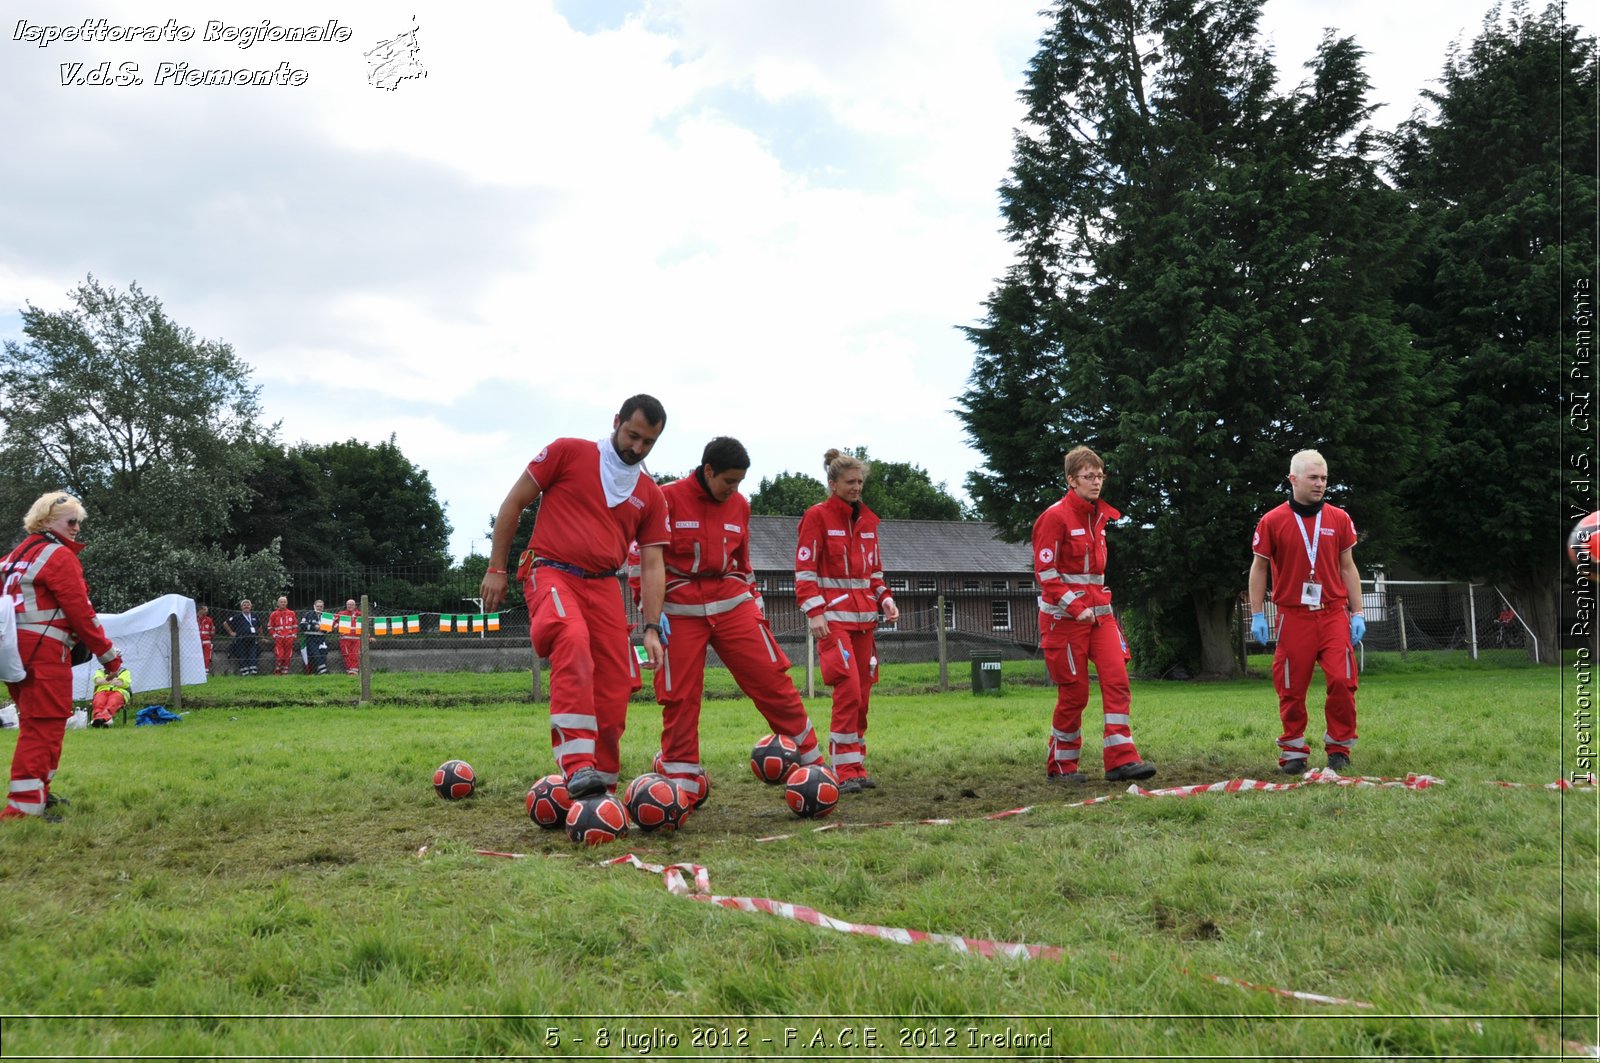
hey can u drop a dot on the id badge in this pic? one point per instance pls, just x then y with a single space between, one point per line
1311 595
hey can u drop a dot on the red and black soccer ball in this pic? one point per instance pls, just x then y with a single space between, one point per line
597 820
455 779
653 803
548 802
811 790
1583 545
773 758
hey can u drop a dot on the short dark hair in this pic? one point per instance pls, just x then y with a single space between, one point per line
723 453
654 414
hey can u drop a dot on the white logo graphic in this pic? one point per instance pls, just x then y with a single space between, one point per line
395 60
804 554
1047 555
543 454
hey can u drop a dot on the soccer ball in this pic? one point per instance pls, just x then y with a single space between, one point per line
597 820
653 803
1583 548
773 758
548 802
812 791
455 779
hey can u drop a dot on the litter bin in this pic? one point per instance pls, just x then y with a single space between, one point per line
986 673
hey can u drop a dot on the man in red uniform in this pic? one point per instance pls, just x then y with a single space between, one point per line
208 632
712 600
838 581
1308 546
283 625
1076 626
596 499
347 622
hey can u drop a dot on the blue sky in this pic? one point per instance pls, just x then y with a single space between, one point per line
750 208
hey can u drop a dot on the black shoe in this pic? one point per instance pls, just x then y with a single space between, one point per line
852 786
1294 767
50 817
868 783
1139 769
585 782
52 800
1338 761
1071 778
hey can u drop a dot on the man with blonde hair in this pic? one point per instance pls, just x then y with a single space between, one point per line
1307 545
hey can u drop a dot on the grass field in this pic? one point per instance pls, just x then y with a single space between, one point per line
248 883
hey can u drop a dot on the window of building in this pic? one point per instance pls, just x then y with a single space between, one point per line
927 585
949 614
785 584
969 585
998 585
897 584
1000 615
761 585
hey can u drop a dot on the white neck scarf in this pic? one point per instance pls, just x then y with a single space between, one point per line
617 477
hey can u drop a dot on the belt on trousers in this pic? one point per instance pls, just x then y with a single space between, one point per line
572 570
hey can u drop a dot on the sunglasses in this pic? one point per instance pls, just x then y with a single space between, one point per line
74 522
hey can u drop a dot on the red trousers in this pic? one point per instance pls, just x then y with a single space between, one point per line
44 701
283 653
205 649
746 646
107 703
351 648
1307 638
852 696
580 625
1069 646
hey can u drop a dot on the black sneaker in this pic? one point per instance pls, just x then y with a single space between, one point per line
868 783
585 782
52 800
852 786
1338 761
1293 767
1071 778
1139 769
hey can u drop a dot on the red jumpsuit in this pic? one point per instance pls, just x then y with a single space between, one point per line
208 631
1310 636
712 600
575 609
349 638
838 575
53 612
284 626
1076 626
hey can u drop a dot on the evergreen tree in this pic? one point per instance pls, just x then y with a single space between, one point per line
1503 175
1202 288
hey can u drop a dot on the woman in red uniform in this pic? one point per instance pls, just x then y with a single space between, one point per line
45 582
712 601
838 580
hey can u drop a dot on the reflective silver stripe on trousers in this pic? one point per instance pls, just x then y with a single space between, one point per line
726 605
554 597
1067 754
848 758
611 778
850 618
1293 743
843 739
1093 580
680 767
1072 663
575 746
1113 719
1115 740
1289 754
572 721
1065 736
829 583
1329 740
772 649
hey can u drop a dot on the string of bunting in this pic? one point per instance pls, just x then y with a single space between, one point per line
448 623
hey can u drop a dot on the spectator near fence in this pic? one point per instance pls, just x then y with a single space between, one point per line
348 624
284 627
596 500
245 628
315 647
208 632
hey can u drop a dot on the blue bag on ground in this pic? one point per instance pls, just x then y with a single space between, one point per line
154 714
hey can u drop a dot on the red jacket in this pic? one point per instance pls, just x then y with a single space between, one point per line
53 610
283 624
208 629
355 623
708 556
1069 557
838 572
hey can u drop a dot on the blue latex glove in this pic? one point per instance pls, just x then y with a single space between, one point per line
1358 628
666 628
1258 627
